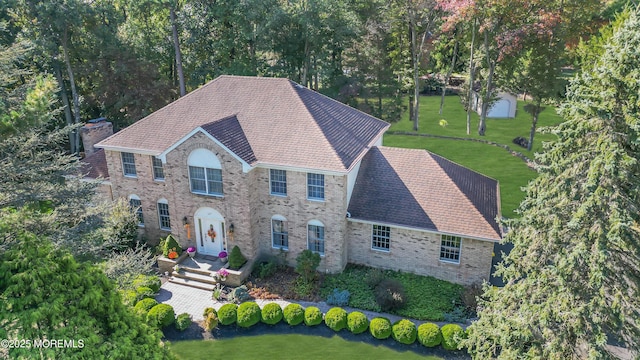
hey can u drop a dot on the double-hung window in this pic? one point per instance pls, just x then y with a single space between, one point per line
205 180
136 206
450 248
315 237
205 173
380 237
128 164
163 215
278 182
279 233
158 169
315 186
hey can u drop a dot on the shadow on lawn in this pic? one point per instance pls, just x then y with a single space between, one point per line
196 332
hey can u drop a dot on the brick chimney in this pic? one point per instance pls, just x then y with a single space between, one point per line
93 132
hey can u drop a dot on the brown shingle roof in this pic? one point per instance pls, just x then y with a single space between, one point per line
95 165
283 123
229 132
415 188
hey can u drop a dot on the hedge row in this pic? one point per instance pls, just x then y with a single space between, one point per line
403 331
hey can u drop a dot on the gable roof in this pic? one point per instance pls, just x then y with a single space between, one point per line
266 120
416 188
94 166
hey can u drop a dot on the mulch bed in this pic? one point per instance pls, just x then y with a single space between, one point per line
196 332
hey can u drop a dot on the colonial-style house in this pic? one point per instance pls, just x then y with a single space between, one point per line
271 166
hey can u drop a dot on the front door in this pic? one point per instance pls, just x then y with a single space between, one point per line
209 233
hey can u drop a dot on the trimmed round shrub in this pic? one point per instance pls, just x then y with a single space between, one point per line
228 314
143 306
451 336
150 281
183 321
357 322
161 315
208 311
336 319
271 313
249 314
380 328
404 331
143 292
312 316
293 314
429 335
129 297
236 259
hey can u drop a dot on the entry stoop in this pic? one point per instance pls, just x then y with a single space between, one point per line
199 279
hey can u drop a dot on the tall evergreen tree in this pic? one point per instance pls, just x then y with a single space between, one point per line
46 294
573 277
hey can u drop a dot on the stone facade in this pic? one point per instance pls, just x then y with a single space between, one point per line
419 252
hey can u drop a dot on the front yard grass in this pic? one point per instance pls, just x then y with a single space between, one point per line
291 346
427 298
495 162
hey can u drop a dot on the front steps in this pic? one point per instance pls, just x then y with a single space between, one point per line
196 278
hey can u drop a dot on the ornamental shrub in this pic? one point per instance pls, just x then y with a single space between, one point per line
144 292
357 322
129 297
150 281
336 319
429 335
306 264
452 334
143 306
248 314
170 244
239 294
312 316
161 316
228 314
338 298
380 328
404 331
208 311
236 259
293 314
271 313
183 321
210 321
390 295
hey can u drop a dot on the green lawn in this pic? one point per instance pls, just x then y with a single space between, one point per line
510 171
293 346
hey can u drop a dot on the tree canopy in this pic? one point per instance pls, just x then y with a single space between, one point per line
573 276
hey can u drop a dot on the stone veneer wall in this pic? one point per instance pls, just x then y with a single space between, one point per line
299 211
419 252
234 206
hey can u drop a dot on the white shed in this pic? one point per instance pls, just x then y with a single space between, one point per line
503 107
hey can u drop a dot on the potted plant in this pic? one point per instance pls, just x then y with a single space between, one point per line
223 256
191 251
222 274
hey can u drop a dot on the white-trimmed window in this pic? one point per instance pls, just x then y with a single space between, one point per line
279 232
136 205
158 169
450 248
315 236
163 214
278 180
205 173
128 164
380 237
315 186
